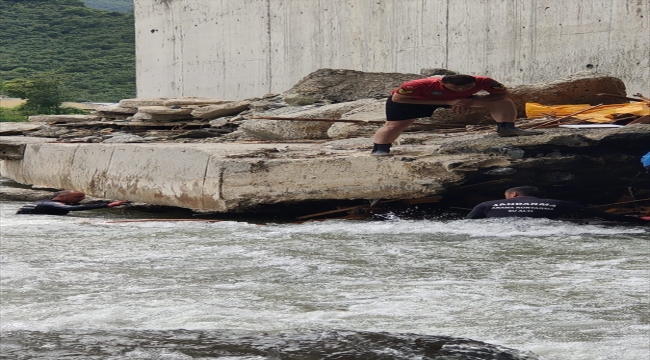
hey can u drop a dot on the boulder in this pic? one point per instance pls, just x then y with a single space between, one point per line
299 99
436 71
220 110
579 88
339 85
300 129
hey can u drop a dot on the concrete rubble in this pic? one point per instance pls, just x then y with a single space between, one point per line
226 156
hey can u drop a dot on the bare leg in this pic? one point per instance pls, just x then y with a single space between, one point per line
391 131
501 110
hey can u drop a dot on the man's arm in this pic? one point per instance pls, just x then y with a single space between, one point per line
478 212
405 99
62 206
493 96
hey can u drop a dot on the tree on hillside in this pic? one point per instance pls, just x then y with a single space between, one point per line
43 94
94 49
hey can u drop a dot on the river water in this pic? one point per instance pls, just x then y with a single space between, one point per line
88 286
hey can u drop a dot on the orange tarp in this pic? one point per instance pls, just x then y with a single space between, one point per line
601 114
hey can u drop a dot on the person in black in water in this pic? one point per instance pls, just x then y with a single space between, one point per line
524 201
62 203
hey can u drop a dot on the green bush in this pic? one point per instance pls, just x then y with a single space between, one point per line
11 115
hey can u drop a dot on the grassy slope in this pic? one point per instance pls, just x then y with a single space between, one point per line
93 49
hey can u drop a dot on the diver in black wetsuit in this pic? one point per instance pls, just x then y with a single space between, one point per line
522 201
62 203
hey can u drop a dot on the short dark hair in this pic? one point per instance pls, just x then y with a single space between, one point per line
62 193
458 79
66 193
525 190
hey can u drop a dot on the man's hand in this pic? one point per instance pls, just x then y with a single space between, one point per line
460 106
117 203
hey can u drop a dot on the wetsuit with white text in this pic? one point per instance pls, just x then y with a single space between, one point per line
533 207
51 207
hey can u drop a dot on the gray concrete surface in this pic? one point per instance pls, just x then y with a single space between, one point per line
247 48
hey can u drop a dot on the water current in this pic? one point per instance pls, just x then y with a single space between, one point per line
87 286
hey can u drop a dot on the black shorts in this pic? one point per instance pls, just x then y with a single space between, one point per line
400 111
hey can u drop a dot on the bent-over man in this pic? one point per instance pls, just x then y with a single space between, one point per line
420 98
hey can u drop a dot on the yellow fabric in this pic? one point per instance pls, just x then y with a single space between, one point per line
601 114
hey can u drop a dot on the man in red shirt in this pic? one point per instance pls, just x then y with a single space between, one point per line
420 98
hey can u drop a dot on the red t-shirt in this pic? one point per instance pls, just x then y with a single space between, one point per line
432 89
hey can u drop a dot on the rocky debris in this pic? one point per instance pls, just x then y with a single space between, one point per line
220 110
138 102
372 111
18 128
13 147
332 114
124 138
436 71
296 130
147 117
9 193
199 101
165 110
327 96
299 99
55 119
115 109
337 85
320 178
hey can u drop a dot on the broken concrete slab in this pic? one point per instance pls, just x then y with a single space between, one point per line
17 128
115 109
137 102
164 110
186 101
160 117
71 118
234 177
295 130
220 110
13 147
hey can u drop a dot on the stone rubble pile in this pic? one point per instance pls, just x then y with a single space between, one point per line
325 94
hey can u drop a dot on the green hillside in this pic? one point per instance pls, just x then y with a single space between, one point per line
92 50
112 5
